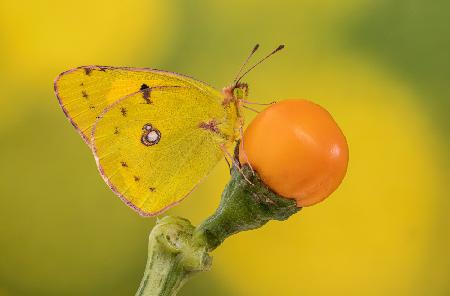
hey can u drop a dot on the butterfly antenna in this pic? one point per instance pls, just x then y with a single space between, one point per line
246 61
280 47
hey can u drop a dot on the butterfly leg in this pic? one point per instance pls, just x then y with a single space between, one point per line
256 103
251 109
241 131
226 153
228 163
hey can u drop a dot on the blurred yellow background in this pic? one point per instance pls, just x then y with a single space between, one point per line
381 67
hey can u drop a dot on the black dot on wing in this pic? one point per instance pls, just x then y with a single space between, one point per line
152 189
136 178
87 71
124 164
123 111
146 93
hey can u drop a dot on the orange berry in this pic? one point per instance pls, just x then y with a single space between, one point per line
297 149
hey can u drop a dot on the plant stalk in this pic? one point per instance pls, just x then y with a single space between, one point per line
178 250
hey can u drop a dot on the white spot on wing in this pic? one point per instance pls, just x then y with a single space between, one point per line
152 136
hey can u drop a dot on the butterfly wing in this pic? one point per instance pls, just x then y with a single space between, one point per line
153 155
86 91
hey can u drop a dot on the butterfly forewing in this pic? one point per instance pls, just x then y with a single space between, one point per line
86 91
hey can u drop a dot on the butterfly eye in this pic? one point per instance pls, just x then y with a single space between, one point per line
238 93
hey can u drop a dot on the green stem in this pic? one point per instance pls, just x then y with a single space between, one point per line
177 249
172 257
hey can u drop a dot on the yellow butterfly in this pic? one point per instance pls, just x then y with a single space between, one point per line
154 134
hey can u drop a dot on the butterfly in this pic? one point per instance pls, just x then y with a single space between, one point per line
154 134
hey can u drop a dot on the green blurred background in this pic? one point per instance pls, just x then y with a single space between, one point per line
381 67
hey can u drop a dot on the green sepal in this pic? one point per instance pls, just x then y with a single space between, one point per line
244 205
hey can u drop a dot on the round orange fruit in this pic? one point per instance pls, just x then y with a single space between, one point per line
297 149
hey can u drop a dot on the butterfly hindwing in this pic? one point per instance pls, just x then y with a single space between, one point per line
153 155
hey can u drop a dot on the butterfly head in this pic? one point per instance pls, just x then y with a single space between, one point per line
235 93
